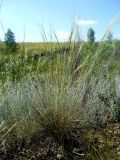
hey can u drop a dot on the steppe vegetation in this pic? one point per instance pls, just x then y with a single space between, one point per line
60 100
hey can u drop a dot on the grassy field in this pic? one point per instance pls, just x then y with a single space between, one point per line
60 101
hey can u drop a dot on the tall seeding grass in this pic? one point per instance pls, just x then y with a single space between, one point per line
59 93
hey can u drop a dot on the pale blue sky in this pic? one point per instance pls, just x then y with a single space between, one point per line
26 16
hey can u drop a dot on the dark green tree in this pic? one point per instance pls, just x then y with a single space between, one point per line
109 37
90 35
11 45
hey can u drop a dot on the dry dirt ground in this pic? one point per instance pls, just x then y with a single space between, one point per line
93 144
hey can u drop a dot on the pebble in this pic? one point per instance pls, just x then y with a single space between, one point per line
118 153
39 155
33 158
59 156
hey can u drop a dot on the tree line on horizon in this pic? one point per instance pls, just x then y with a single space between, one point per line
12 45
91 35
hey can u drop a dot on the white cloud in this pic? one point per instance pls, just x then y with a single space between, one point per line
88 22
62 35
